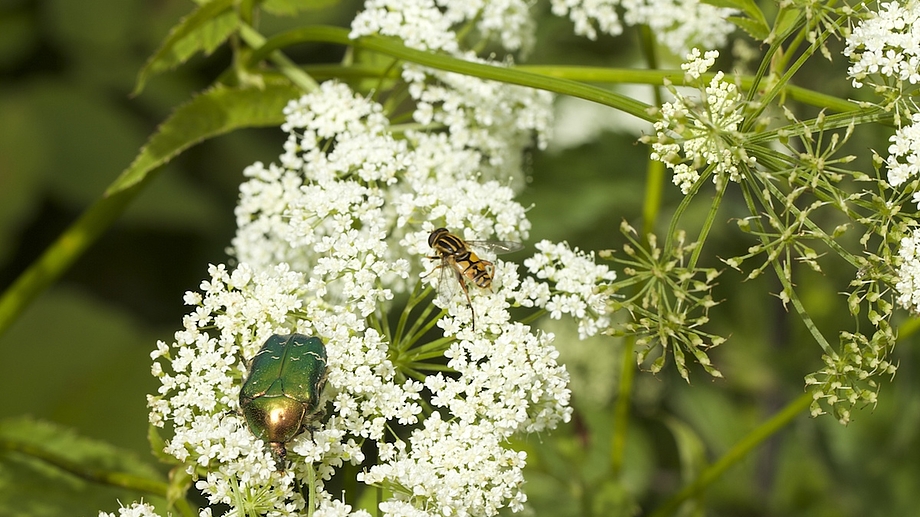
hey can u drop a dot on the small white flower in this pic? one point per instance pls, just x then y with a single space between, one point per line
885 44
908 284
678 24
694 134
904 153
136 509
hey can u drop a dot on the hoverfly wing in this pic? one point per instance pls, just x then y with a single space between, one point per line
497 247
447 283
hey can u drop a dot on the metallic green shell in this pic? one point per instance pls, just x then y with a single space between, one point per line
281 394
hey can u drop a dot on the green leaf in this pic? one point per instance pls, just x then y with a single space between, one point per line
291 7
757 30
748 7
46 469
203 30
214 112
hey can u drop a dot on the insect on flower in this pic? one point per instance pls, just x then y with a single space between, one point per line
280 397
456 256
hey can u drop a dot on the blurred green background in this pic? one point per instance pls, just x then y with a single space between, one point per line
79 356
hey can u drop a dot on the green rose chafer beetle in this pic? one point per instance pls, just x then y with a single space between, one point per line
281 394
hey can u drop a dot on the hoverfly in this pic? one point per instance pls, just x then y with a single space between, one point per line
456 256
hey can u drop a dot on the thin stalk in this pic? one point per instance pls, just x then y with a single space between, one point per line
287 67
737 453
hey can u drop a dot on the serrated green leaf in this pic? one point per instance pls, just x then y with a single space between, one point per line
203 30
291 7
748 7
214 112
786 20
754 29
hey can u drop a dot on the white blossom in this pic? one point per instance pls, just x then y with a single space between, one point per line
692 134
140 509
327 239
903 160
576 286
908 284
678 24
885 44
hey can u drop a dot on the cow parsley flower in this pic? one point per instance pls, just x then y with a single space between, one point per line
140 509
331 240
908 284
677 24
884 45
577 283
494 121
903 160
429 24
692 134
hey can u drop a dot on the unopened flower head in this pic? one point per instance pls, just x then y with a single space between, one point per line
693 134
677 24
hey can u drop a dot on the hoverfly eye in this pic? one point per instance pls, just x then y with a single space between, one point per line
435 235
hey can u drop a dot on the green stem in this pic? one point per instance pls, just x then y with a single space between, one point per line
63 252
738 452
621 409
287 67
394 48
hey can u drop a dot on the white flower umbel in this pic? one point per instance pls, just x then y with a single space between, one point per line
903 160
140 509
908 285
577 283
429 24
883 48
692 134
496 121
471 472
677 24
330 241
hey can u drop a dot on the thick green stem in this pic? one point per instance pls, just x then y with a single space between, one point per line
621 409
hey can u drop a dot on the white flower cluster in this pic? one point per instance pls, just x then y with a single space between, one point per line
327 238
677 24
141 509
903 160
692 135
472 473
886 44
200 388
908 285
428 24
577 286
494 120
